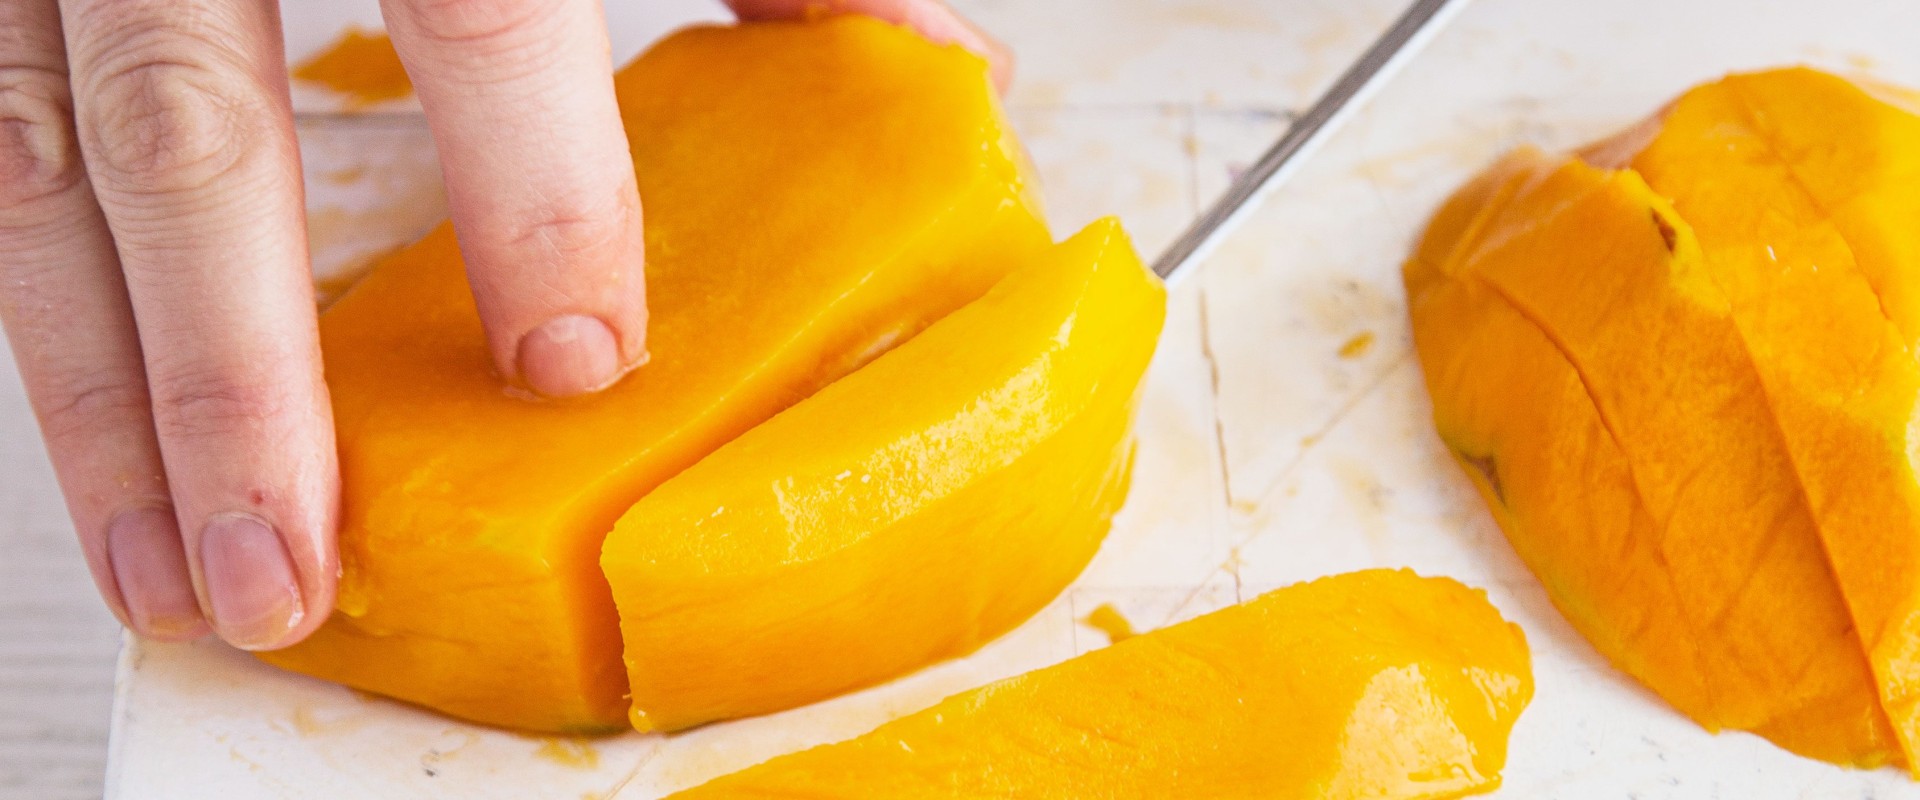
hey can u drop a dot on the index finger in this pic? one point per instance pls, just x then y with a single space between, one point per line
519 96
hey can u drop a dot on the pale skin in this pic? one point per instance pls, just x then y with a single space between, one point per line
155 289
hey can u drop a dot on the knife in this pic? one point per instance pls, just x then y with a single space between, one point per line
1405 37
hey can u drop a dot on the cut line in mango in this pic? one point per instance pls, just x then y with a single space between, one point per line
907 513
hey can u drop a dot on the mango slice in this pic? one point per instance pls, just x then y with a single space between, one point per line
815 192
1680 367
1377 684
907 513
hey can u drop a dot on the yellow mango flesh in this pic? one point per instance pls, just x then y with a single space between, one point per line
1679 365
814 192
907 513
1377 684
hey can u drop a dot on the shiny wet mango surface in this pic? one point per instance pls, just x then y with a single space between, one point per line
1378 684
907 513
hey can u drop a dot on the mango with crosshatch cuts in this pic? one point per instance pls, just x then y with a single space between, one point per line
1680 366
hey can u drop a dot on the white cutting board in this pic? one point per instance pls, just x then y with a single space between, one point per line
1266 456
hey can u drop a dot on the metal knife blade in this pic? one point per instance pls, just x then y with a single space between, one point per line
1405 37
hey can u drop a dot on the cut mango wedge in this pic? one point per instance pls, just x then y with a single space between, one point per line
907 513
1377 684
815 192
1680 368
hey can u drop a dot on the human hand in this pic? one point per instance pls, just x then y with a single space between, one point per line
155 288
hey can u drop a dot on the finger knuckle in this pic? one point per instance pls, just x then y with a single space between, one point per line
568 233
82 405
480 24
574 225
39 155
212 402
171 126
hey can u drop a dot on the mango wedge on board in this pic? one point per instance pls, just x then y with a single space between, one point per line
1680 367
1377 684
907 513
814 193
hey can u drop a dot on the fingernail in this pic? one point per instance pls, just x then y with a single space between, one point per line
251 587
149 564
570 355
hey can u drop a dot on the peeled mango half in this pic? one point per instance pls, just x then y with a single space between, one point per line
815 194
1680 366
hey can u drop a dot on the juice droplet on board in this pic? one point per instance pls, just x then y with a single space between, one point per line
568 752
1358 345
1111 622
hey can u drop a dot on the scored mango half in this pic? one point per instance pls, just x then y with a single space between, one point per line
907 513
815 193
1377 684
1680 367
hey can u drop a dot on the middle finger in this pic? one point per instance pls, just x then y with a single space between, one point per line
186 130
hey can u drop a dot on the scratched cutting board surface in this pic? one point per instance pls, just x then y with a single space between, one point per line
1284 433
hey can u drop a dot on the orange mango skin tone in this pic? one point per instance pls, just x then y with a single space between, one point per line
908 513
1679 365
814 192
1377 684
361 66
